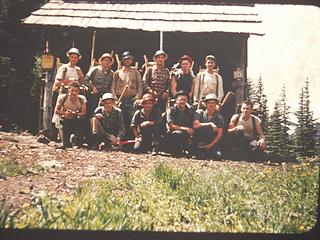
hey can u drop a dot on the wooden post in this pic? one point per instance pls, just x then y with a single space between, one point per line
46 92
161 40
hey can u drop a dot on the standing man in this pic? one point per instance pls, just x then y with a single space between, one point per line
71 107
98 81
180 119
208 125
127 82
107 124
156 80
208 81
245 131
183 79
69 72
145 124
66 74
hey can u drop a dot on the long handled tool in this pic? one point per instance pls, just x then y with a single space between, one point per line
121 96
227 98
118 61
113 138
92 60
201 90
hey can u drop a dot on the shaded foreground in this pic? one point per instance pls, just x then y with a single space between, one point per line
80 189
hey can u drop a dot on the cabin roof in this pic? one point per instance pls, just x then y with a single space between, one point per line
167 17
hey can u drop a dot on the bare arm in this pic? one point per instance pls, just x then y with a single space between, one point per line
196 88
181 128
216 139
83 110
135 132
192 88
262 139
198 124
174 86
114 84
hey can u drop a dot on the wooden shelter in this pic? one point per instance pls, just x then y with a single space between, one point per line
196 29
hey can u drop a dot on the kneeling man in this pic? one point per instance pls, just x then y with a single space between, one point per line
180 119
246 132
146 126
208 125
107 124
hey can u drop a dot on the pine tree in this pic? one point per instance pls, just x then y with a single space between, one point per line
304 138
284 110
259 100
275 134
249 89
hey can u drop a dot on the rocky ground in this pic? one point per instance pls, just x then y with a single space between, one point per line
29 168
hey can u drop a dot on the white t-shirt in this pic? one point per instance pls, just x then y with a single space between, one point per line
69 105
210 81
247 124
70 73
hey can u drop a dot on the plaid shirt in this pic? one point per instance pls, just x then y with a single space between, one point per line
156 79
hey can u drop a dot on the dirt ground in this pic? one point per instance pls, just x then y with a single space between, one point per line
45 169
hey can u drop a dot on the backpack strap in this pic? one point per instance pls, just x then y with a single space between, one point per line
65 69
254 127
237 120
217 85
64 99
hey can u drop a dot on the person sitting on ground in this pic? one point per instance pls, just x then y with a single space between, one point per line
245 131
208 125
71 107
145 124
180 121
107 125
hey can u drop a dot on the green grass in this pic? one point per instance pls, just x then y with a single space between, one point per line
169 198
10 167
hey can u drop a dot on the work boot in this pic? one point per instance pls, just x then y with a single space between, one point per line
73 140
154 152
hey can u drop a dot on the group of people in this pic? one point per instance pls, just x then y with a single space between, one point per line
123 108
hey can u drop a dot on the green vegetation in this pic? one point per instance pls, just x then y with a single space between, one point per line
225 198
304 136
10 168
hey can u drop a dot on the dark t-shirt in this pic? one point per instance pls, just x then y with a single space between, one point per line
202 117
112 122
181 118
184 82
139 117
